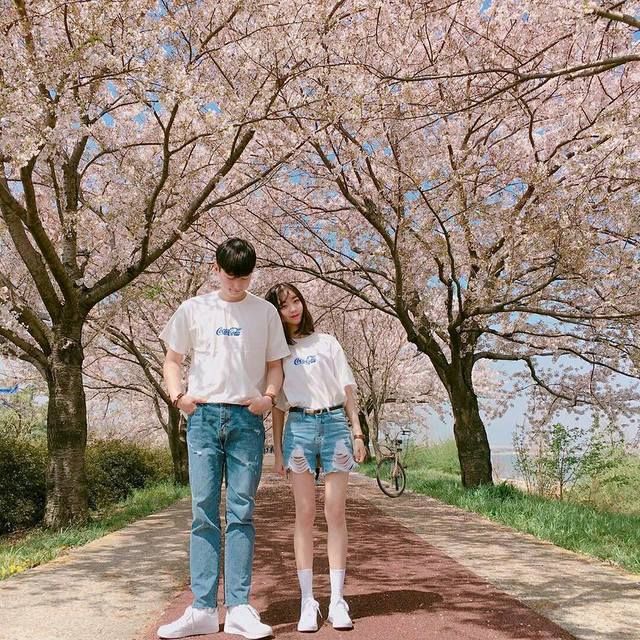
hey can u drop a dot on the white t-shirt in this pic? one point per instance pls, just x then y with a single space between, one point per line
231 342
315 374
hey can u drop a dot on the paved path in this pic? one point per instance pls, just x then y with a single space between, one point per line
592 600
107 589
417 569
397 585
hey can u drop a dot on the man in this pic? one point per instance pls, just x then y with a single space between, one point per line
237 345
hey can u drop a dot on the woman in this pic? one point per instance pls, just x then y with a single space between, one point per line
318 390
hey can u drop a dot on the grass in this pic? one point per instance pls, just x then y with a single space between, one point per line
37 546
584 528
617 491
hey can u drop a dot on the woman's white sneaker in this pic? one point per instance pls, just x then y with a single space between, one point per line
244 620
309 611
193 622
339 615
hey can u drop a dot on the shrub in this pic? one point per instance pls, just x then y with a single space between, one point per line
23 464
554 459
24 414
116 467
159 460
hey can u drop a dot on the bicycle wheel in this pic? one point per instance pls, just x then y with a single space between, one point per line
391 477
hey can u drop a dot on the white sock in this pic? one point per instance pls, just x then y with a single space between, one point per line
305 578
337 583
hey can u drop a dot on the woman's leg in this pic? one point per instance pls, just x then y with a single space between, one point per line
335 497
304 493
299 451
334 511
337 460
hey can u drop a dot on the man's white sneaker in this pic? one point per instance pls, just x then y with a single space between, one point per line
244 620
193 622
339 615
309 611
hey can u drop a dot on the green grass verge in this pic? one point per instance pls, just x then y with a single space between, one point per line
617 491
37 546
612 537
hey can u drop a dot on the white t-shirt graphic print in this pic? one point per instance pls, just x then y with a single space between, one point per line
315 374
230 343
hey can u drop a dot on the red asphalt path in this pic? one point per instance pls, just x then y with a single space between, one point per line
397 585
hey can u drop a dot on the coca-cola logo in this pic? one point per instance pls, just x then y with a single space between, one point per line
228 331
307 360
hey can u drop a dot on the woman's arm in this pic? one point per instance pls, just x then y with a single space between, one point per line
351 409
277 420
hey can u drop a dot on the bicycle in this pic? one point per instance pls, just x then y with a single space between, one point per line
390 474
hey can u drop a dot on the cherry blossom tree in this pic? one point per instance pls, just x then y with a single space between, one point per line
494 223
470 170
393 377
122 124
503 50
126 355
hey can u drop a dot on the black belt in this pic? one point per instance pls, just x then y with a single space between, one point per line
315 411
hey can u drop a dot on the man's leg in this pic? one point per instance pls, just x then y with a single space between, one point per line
243 466
206 462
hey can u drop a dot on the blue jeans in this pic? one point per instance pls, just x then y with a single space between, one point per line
325 435
223 439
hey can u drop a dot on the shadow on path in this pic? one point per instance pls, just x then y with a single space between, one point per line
587 597
397 585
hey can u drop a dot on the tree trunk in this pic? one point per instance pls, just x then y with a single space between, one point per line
364 425
67 493
374 433
471 437
178 446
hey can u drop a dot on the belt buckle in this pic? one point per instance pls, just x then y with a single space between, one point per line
312 412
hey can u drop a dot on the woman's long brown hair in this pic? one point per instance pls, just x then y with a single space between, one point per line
277 296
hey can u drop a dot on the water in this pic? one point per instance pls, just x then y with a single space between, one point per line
504 465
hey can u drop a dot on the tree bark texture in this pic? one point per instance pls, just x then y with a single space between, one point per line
67 491
470 434
178 446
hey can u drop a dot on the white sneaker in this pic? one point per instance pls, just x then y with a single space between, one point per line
193 622
309 610
339 615
244 620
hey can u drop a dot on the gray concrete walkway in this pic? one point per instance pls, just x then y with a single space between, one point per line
105 590
114 588
591 600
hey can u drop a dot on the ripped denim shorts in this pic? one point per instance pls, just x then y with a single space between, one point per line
326 434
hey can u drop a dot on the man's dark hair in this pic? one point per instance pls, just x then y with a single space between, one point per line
236 256
277 296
